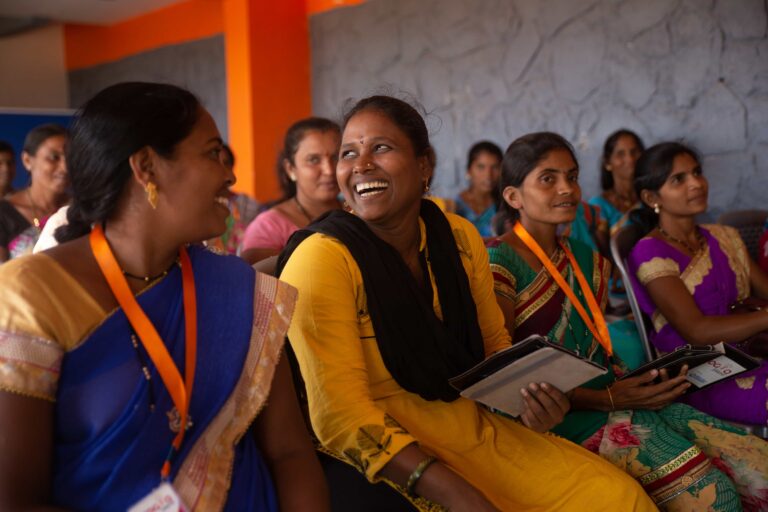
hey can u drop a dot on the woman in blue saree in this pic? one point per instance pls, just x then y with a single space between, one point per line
93 417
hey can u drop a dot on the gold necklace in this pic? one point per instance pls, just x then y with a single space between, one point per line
35 211
699 240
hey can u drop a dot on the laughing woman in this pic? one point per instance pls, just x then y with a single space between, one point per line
125 332
393 301
685 459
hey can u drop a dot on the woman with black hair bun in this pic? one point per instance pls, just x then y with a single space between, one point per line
135 364
687 276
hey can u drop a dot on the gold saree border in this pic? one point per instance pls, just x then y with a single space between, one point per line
205 476
738 258
668 467
29 365
657 267
541 280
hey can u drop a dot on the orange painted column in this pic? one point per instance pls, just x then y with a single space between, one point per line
268 85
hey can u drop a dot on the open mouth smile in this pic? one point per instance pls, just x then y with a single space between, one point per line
371 188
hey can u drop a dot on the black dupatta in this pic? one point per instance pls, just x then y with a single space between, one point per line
420 351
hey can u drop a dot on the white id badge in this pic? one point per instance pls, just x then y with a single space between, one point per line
162 499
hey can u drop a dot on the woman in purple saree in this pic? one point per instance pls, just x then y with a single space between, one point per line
686 277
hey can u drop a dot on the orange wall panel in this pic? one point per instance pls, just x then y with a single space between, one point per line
89 45
268 85
316 6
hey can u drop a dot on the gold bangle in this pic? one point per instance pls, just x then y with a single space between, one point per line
416 475
610 397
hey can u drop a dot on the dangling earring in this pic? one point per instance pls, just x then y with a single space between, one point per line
151 190
426 186
656 208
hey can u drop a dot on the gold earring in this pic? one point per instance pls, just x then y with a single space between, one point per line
151 190
656 208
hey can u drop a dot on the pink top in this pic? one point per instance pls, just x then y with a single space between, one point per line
270 230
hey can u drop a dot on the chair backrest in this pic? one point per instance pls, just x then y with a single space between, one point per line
621 245
750 224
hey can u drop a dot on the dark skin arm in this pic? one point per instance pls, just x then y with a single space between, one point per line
26 453
677 305
633 393
438 483
288 450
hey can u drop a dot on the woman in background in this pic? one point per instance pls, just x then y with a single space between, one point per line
617 170
478 203
686 277
129 329
684 459
306 168
23 214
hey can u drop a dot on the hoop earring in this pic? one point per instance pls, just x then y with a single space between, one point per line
151 190
656 208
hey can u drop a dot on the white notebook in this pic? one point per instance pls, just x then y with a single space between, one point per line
497 381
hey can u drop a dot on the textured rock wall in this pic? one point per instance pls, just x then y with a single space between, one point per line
195 65
495 69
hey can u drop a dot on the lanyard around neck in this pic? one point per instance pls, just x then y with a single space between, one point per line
180 390
598 327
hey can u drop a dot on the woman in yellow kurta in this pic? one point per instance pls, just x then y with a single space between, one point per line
380 400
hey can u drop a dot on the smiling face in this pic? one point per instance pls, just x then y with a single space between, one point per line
685 191
193 184
47 165
484 172
550 193
379 174
622 160
314 167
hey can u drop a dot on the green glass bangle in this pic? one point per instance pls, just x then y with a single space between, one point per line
416 475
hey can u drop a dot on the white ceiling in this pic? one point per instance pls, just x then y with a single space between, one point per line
99 12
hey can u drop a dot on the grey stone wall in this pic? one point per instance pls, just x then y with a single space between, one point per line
195 65
495 69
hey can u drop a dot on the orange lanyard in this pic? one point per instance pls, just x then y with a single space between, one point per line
598 327
180 390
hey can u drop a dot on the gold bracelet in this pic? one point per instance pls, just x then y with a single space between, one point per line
610 397
416 475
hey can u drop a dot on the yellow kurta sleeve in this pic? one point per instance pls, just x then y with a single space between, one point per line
44 313
478 268
326 337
